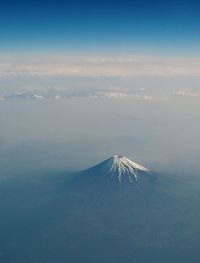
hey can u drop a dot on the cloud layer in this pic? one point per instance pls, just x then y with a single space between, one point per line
98 66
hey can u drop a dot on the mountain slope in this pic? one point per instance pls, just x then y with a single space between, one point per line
120 167
115 171
99 215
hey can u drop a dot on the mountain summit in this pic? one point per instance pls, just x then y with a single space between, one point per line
120 169
124 166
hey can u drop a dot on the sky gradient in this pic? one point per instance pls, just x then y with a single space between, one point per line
105 77
136 27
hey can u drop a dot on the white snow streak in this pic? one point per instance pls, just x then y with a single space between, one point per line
122 166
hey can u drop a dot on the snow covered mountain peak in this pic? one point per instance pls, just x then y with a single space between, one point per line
125 167
124 162
122 168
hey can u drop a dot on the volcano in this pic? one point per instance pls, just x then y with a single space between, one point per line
121 168
116 211
116 171
126 210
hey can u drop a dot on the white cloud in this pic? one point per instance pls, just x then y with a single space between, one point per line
112 95
119 95
98 66
183 93
22 96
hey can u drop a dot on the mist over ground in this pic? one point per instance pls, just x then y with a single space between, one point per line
160 131
81 81
46 132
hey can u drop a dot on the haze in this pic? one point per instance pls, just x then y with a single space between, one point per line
81 121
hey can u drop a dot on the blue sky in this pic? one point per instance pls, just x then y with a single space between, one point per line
136 27
103 61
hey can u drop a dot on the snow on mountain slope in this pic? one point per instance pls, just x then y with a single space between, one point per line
123 166
120 167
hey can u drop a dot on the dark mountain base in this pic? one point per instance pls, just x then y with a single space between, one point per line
51 219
